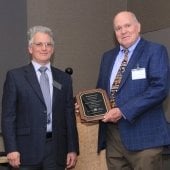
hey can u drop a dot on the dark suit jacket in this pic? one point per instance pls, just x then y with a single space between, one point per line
139 100
24 115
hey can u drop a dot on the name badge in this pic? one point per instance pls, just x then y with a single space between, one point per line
57 85
139 73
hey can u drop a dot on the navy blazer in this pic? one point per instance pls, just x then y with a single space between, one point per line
24 115
140 100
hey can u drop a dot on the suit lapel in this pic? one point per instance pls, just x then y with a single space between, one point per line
33 81
133 61
57 87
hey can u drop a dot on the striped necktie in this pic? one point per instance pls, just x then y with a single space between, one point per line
118 78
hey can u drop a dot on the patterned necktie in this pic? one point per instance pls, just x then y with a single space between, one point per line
45 88
118 78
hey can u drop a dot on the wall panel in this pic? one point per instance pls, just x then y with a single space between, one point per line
13 30
154 15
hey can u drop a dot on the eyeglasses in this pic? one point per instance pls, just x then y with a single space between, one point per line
41 44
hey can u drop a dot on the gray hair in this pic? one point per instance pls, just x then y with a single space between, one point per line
33 30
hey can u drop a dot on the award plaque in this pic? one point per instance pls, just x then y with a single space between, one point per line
93 104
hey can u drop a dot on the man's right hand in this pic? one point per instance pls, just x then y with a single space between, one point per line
14 159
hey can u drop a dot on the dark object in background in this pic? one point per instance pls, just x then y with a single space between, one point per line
69 70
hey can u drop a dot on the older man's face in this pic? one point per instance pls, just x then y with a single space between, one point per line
42 48
127 29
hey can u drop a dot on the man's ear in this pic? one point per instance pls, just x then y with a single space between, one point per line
139 27
30 49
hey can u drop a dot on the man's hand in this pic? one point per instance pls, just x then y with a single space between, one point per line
113 115
77 108
71 160
14 159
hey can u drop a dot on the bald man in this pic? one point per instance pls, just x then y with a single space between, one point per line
134 131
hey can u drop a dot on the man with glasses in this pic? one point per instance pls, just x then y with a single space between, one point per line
38 121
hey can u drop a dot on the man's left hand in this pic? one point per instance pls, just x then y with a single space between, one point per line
71 160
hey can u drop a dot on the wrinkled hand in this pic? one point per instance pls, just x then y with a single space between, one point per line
71 160
113 115
14 159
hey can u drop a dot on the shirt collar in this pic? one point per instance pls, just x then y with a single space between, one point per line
37 65
131 48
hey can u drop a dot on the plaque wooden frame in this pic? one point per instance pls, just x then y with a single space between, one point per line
93 104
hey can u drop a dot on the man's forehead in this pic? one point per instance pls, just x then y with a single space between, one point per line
123 20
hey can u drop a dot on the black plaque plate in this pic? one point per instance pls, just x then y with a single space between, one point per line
93 104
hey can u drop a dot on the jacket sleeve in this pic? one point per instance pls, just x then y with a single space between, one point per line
8 119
